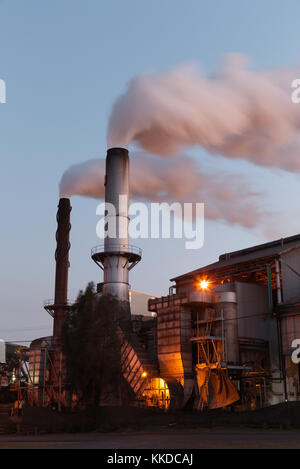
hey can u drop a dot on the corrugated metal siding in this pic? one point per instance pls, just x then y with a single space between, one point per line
253 301
252 310
290 330
290 280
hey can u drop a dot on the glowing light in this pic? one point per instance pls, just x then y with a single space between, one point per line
144 374
203 284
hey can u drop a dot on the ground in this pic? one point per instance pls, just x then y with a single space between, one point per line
204 439
137 428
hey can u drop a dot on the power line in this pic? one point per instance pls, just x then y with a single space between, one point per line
265 315
23 329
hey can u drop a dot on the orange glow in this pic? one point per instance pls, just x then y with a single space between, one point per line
157 394
204 284
144 374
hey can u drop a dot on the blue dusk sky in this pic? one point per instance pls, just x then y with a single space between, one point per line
64 63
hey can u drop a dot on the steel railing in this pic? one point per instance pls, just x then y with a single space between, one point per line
116 248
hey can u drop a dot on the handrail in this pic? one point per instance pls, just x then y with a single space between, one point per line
52 302
116 248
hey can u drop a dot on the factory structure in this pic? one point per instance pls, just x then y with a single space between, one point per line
221 338
233 322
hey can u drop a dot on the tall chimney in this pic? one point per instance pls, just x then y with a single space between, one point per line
116 257
60 305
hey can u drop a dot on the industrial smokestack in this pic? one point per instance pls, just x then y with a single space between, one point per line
116 185
60 306
116 257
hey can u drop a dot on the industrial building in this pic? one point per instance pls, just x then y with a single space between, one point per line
233 322
13 365
222 337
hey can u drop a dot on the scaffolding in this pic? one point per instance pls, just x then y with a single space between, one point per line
47 376
210 348
214 386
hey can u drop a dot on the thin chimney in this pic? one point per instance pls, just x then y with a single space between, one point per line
62 264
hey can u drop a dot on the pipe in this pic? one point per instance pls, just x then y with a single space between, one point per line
278 283
227 303
282 359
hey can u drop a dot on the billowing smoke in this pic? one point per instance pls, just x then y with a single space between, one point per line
85 179
237 113
156 179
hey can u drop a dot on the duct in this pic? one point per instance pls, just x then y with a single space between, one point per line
62 264
227 303
214 388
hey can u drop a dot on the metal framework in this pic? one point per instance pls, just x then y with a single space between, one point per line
208 353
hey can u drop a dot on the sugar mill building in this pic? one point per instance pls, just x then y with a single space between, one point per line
237 318
223 336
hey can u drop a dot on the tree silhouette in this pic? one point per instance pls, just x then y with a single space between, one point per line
91 343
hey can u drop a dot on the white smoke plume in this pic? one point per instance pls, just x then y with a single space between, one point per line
156 179
237 113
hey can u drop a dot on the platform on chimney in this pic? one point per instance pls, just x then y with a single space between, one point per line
50 306
132 253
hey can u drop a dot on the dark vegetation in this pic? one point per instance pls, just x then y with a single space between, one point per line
92 347
285 416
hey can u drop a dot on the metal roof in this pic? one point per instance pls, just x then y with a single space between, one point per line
262 253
